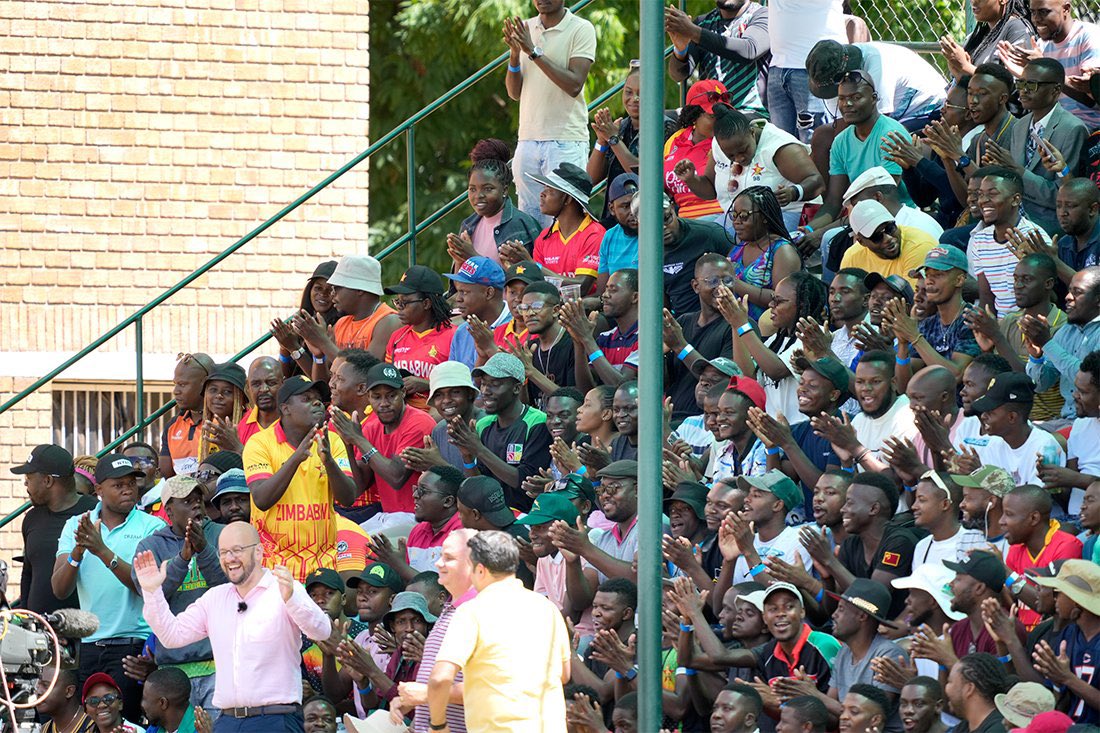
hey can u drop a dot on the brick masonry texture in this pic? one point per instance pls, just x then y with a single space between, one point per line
138 138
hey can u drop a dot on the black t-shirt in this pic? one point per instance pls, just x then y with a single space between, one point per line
696 239
622 450
524 444
557 363
710 341
41 530
894 555
519 531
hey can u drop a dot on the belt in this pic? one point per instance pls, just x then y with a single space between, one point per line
256 712
126 641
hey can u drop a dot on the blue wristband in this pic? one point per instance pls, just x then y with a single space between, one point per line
686 627
285 358
365 690
631 674
773 451
820 595
468 466
1005 659
680 54
903 362
851 469
809 229
687 671
598 353
1032 360
581 471
758 569
742 330
513 69
685 351
600 148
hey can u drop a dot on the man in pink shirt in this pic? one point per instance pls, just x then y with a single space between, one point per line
254 622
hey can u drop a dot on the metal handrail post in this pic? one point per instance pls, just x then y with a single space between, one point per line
410 189
139 368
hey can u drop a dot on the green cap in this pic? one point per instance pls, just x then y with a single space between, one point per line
551 508
380 575
946 257
625 468
692 493
775 482
993 479
834 371
575 486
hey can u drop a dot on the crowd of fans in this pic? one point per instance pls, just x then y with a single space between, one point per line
881 491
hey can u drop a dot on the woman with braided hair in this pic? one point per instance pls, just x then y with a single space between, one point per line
224 402
495 220
763 254
997 20
424 338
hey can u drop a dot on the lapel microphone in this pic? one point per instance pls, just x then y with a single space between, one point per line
242 607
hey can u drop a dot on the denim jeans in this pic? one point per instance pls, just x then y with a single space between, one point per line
286 723
542 156
789 94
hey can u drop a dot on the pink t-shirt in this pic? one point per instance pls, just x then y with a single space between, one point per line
485 242
550 582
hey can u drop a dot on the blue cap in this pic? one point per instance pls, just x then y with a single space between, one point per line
230 482
480 271
621 185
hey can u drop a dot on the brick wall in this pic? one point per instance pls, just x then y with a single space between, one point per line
140 137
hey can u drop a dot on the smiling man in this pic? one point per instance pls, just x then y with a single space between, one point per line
882 245
93 556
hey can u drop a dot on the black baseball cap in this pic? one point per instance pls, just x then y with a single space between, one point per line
115 465
984 567
386 374
326 577
526 271
380 575
485 494
1006 388
300 385
50 459
418 279
896 283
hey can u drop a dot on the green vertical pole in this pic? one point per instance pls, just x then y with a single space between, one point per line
410 187
651 390
139 350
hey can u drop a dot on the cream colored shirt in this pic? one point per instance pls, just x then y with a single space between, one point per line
546 112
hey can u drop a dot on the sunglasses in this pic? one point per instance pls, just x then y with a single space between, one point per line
856 77
888 229
934 477
109 699
1031 86
635 63
742 216
711 98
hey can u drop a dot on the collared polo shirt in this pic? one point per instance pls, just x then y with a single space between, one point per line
119 609
546 111
577 255
425 545
1057 545
180 442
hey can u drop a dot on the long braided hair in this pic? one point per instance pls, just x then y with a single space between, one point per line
765 202
985 35
812 297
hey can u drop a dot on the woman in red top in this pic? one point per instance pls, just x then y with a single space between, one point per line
692 143
424 338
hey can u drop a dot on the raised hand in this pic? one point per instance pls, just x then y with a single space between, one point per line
1052 157
421 459
412 647
223 433
603 125
678 551
1015 58
997 622
203 723
964 462
957 58
735 310
572 542
150 576
1036 333
839 432
384 550
926 644
537 483
816 544
900 321
817 343
460 247
1022 244
89 535
1054 667
285 335
565 457
893 672
997 155
595 455
944 140
138 667
512 252
905 150
585 715
870 338
463 435
286 581
901 454
771 431
983 322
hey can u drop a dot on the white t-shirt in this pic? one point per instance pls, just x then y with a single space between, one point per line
872 432
785 546
907 216
930 550
794 26
1084 438
1020 462
782 396
761 170
907 85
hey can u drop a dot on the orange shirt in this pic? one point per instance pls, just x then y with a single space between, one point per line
352 334
249 425
577 255
180 441
504 333
352 546
680 147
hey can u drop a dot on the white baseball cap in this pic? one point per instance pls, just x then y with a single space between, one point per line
935 579
876 176
865 217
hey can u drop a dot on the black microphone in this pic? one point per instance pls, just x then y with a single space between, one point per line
242 607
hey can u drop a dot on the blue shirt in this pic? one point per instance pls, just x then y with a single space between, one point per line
1062 355
1084 661
462 343
821 454
618 250
119 609
1080 259
955 337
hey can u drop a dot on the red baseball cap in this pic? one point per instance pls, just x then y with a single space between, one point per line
751 389
99 678
1053 721
706 93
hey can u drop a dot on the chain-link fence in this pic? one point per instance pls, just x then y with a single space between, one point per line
912 21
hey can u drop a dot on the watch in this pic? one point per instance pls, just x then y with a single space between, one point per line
613 141
964 163
536 52
114 562
296 355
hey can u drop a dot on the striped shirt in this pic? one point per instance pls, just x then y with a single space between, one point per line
456 718
986 256
616 345
1081 48
732 51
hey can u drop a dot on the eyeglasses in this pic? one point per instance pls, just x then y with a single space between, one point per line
713 282
400 303
610 487
419 492
1031 87
143 461
959 107
203 476
531 307
742 216
109 699
888 229
711 98
237 551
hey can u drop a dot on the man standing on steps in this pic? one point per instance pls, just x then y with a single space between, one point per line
550 56
265 376
179 443
48 475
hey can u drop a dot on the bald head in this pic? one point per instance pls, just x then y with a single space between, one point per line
932 388
264 364
238 533
934 378
265 376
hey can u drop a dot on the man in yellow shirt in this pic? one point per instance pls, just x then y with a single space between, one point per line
511 645
295 471
881 245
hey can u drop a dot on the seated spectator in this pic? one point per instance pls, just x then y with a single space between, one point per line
479 293
744 155
318 297
295 488
881 291
973 685
368 324
883 246
1032 283
561 416
451 394
1082 466
1051 355
594 420
687 521
686 240
435 508
516 279
1045 123
495 220
1004 411
1078 209
691 144
232 499
982 504
883 412
978 577
48 476
878 184
729 44
224 403
830 494
326 588
481 506
909 93
103 704
619 248
145 458
804 714
548 357
736 451
737 709
319 715
929 602
570 248
770 499
613 609
551 567
265 376
866 705
179 443
607 352
995 22
714 375
375 587
763 254
424 338
971 217
801 295
936 500
697 334
624 413
63 703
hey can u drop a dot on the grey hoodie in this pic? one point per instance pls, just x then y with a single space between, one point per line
185 583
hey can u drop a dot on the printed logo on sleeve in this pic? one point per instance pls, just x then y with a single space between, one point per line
892 559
